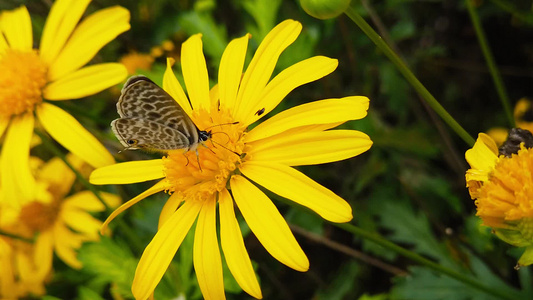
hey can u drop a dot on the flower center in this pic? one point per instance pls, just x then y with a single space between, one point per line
199 177
508 194
38 216
22 78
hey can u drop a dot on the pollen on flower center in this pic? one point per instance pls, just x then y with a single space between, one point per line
22 78
200 177
38 216
506 197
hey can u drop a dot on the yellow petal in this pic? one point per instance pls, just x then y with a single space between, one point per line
169 208
7 278
61 21
292 184
194 71
16 26
267 224
172 86
3 43
237 257
57 172
128 172
17 182
3 125
260 68
86 81
230 70
87 201
43 253
318 112
310 148
66 245
159 253
88 38
158 187
296 75
214 95
65 129
206 255
82 223
483 155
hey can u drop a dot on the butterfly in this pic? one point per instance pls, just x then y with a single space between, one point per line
151 119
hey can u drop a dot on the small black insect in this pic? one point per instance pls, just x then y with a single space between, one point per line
260 112
514 139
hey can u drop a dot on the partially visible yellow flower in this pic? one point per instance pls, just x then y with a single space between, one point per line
502 188
523 114
57 224
236 160
54 72
134 61
18 276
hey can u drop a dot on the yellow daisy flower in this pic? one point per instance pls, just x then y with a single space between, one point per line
57 223
502 187
234 161
54 72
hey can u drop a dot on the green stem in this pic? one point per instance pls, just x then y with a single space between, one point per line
526 17
130 234
411 78
424 261
491 64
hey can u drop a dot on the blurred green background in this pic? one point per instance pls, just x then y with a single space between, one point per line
409 186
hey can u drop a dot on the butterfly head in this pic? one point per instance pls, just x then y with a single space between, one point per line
204 135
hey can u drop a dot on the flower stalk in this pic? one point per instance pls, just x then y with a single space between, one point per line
491 64
411 78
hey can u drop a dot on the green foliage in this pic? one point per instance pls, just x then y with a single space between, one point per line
408 188
343 286
111 262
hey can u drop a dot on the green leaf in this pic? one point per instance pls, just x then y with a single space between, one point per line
110 262
264 13
85 293
343 285
214 37
426 284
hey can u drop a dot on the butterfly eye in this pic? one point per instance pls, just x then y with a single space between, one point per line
132 142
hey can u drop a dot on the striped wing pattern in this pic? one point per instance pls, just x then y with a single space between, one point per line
151 119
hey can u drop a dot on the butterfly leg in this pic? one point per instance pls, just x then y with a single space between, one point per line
198 160
186 158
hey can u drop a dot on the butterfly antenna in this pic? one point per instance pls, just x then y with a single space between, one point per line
234 123
223 133
213 142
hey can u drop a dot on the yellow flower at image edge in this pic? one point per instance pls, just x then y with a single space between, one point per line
234 161
502 188
54 72
56 222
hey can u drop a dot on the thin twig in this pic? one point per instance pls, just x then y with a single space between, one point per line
349 251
